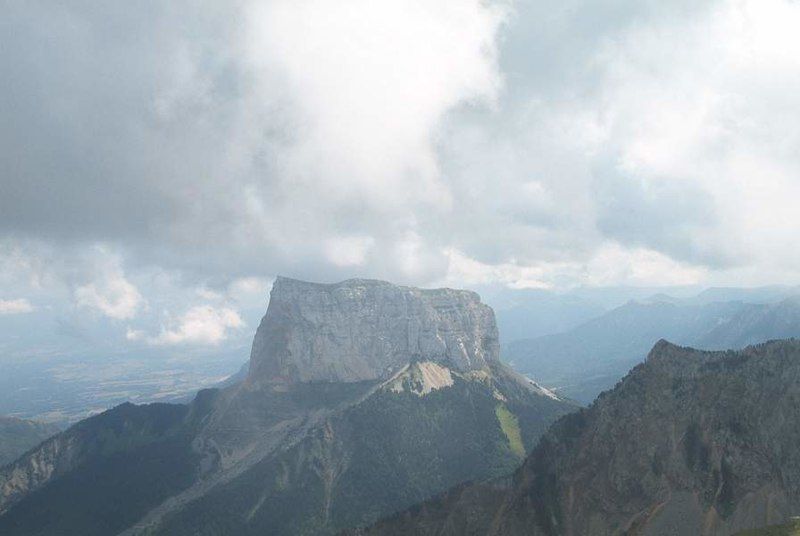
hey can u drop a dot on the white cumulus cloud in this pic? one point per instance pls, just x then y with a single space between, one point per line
113 295
200 325
348 250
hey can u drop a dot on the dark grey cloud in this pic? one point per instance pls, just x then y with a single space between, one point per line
85 154
202 142
665 214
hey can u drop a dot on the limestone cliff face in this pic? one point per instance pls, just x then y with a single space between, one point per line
361 330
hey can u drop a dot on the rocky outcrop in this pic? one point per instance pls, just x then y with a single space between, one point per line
360 330
690 442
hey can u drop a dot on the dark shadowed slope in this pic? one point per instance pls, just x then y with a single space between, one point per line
102 473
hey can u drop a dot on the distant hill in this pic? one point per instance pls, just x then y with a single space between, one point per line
754 324
592 357
532 313
19 435
529 313
767 295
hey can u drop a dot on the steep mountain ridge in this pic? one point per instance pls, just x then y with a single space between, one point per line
755 324
103 472
690 442
361 399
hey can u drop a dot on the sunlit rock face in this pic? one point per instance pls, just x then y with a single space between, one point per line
360 330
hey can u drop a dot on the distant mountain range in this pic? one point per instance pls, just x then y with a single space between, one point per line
19 435
360 399
592 357
531 313
525 314
689 443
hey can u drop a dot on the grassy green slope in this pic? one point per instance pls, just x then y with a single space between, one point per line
790 529
509 424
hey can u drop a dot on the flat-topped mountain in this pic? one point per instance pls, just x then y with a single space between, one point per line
690 442
362 398
361 330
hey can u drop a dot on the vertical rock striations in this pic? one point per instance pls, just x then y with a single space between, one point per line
365 330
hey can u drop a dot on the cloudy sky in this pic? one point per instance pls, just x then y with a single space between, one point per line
160 162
